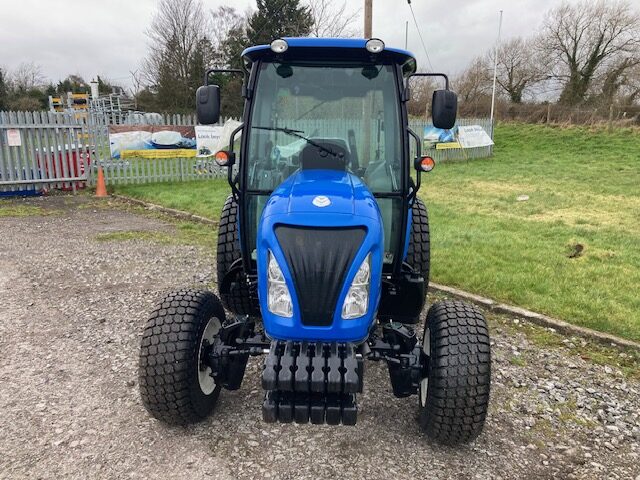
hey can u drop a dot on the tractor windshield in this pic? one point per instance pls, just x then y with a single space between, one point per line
353 109
350 113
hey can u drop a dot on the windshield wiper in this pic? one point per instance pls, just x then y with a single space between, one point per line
298 134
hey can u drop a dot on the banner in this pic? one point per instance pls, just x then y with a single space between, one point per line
152 141
473 136
207 139
468 136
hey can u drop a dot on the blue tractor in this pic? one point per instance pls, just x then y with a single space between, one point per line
323 253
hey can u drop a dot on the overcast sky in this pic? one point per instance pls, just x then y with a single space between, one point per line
107 37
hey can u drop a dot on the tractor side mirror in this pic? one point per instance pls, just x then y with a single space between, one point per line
444 107
208 104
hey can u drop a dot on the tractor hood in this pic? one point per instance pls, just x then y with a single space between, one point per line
322 191
320 226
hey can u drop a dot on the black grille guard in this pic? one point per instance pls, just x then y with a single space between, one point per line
319 259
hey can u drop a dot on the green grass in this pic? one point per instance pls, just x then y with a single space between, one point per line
203 198
584 189
186 233
8 208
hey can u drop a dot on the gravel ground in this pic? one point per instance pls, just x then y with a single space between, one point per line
72 310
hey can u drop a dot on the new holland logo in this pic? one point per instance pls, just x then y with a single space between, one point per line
321 201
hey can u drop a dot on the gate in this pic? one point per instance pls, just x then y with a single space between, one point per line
42 150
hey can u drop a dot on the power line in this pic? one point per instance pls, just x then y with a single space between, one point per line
424 46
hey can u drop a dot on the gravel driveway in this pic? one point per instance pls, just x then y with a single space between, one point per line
71 312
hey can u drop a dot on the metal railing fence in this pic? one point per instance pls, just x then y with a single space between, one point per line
42 150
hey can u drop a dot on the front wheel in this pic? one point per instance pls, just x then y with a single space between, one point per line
454 394
176 385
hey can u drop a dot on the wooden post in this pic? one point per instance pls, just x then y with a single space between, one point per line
610 125
368 18
548 113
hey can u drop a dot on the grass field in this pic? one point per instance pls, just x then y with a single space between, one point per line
572 250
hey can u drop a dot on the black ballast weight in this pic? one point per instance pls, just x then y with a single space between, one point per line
311 381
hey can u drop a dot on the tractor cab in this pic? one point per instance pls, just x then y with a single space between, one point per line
320 109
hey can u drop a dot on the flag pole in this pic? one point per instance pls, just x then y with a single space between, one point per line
495 72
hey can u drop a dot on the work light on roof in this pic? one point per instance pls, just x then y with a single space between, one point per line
374 45
279 45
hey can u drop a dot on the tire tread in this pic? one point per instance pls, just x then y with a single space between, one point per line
459 373
239 300
168 355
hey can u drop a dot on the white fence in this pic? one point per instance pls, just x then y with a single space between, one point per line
42 150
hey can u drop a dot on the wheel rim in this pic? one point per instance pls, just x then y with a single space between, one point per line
205 379
424 383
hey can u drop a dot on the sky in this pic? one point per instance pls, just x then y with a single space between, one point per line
107 37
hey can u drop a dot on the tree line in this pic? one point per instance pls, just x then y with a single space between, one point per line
25 88
185 38
584 54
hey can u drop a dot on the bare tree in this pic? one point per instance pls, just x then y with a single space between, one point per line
630 89
176 30
26 77
474 82
517 69
421 89
136 85
332 19
614 78
226 24
179 50
583 38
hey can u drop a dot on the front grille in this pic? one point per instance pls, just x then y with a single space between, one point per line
318 259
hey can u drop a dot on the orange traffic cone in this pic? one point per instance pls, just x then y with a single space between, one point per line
101 187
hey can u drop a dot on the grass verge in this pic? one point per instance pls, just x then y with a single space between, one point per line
204 198
186 233
9 208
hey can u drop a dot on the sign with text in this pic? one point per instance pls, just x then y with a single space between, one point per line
207 138
473 136
13 137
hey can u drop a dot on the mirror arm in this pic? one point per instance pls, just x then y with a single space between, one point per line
412 195
220 70
232 181
246 91
443 75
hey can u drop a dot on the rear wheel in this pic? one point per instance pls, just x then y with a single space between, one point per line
236 298
176 385
454 395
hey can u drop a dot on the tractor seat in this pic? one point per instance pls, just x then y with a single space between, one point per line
312 157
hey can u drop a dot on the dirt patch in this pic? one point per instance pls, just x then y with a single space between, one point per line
72 312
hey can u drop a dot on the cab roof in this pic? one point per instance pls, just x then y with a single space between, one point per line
328 49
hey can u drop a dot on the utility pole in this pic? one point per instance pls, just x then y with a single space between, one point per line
495 71
367 18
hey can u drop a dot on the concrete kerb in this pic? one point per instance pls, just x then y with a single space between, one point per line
560 326
169 211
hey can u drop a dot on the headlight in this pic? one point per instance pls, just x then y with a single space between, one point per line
278 296
356 302
374 45
279 45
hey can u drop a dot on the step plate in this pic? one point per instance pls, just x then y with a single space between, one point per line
311 382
